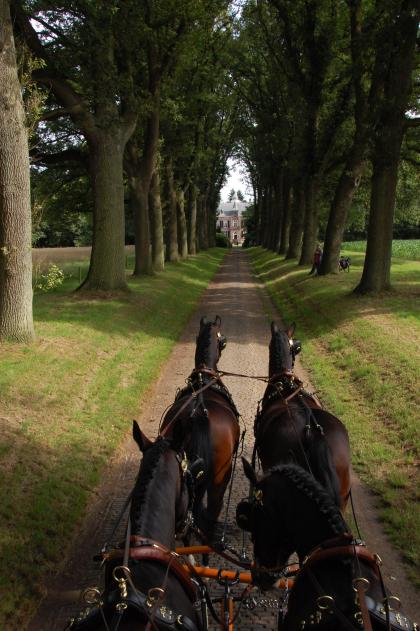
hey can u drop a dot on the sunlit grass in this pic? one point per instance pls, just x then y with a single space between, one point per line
363 357
401 248
66 402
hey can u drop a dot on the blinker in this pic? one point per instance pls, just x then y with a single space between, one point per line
295 347
222 341
245 515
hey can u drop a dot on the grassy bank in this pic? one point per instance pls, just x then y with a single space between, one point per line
363 357
65 404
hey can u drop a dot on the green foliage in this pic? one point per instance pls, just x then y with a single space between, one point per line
222 241
49 280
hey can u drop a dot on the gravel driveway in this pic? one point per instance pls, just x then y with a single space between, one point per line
246 313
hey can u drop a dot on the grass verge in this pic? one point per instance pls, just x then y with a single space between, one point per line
363 357
66 402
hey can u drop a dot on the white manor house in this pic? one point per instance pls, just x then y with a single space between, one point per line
230 220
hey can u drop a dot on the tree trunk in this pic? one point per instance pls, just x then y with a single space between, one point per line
16 322
310 225
107 263
142 256
182 225
156 220
279 211
377 268
287 216
192 221
340 207
202 223
172 232
296 228
389 134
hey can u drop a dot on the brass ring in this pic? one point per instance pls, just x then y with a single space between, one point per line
91 596
324 602
359 582
394 598
125 570
151 595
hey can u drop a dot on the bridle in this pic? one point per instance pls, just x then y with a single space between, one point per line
137 548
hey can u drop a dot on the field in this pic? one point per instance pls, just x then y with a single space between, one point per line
363 356
401 248
66 402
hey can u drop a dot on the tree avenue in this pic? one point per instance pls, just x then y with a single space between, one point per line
15 211
142 104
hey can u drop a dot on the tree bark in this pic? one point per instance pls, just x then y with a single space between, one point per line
107 262
287 216
192 221
182 225
203 240
172 232
278 211
156 221
310 224
340 207
296 228
16 323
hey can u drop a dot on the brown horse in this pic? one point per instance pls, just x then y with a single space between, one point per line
206 424
291 425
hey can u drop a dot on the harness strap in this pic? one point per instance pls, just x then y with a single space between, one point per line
145 549
321 554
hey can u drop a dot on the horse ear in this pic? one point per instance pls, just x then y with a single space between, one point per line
291 330
218 321
249 471
141 438
203 321
274 328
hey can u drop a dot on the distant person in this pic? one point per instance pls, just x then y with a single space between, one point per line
317 260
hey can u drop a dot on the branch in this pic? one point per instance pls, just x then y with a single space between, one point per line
412 122
60 158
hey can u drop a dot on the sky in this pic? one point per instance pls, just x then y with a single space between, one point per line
236 181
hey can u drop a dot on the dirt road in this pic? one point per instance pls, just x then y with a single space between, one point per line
246 313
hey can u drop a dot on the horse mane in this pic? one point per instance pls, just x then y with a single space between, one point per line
203 343
306 483
146 473
278 357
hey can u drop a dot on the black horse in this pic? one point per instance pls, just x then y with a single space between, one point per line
204 420
291 425
339 577
145 582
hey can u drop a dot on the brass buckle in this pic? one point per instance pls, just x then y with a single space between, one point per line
361 583
152 598
324 602
387 600
91 596
121 580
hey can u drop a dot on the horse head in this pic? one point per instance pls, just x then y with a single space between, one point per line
287 512
210 343
166 478
283 350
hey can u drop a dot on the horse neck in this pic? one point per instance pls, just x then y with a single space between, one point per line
154 505
280 360
207 350
311 521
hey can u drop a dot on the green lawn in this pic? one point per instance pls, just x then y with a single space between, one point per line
67 401
363 357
